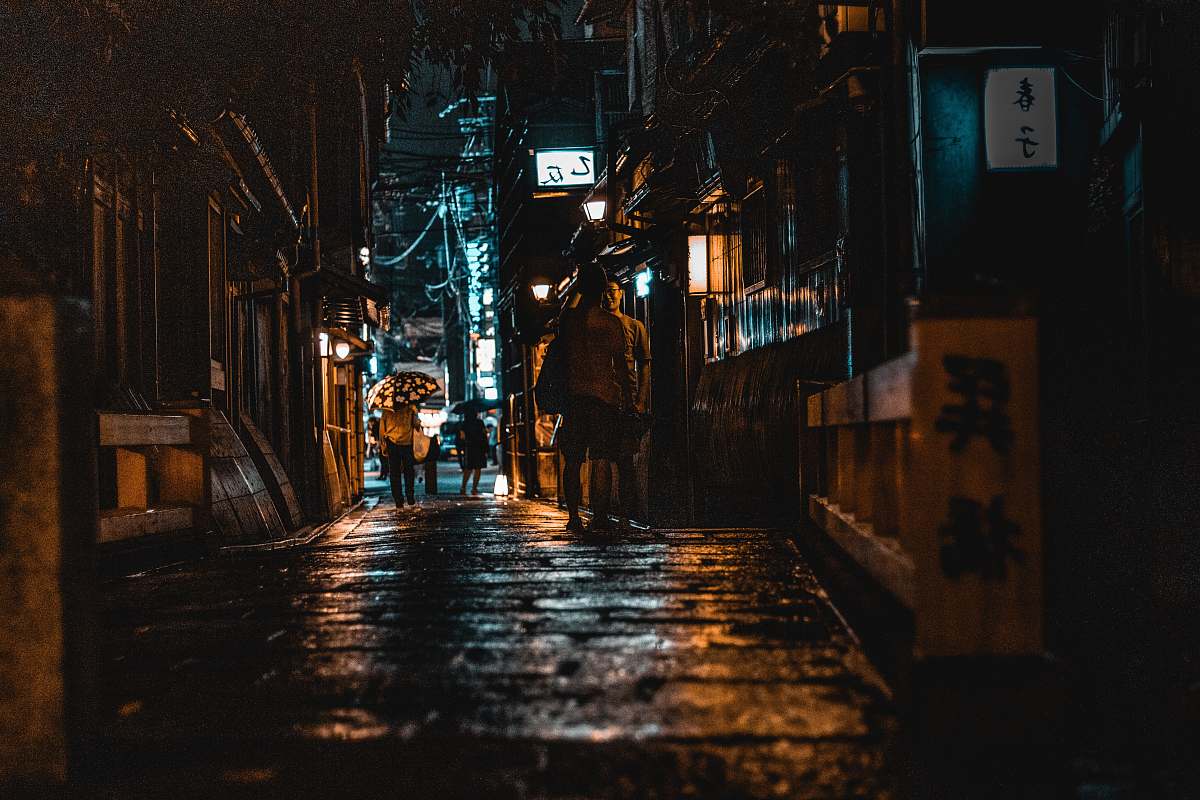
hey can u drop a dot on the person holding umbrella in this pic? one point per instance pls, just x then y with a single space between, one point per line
398 396
473 442
396 427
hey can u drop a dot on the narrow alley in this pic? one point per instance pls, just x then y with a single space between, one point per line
472 648
600 400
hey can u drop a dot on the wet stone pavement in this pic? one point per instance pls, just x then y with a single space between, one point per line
473 648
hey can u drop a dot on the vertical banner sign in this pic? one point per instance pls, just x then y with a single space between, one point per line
974 514
1020 119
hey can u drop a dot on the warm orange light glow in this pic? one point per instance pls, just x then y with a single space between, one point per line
698 264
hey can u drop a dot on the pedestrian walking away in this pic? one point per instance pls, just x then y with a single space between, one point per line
473 446
396 428
598 387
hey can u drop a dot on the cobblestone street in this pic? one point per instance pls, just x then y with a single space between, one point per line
472 648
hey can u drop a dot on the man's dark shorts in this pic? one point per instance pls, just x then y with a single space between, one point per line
590 428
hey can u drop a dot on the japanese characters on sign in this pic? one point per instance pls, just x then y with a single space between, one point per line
565 167
974 511
1020 119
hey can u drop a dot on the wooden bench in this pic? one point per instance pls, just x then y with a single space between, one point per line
161 475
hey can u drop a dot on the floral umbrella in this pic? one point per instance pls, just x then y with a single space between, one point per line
401 389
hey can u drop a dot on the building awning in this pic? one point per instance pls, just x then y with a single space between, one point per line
351 300
237 135
623 255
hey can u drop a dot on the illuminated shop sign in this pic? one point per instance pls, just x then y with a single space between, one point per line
1020 119
574 166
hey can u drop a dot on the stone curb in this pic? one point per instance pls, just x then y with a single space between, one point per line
309 536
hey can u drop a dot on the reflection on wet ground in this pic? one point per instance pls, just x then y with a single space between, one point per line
473 648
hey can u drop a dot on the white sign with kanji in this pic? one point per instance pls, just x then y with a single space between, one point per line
1020 119
565 167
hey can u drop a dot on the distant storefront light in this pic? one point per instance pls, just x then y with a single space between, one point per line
432 420
486 381
323 340
491 393
488 295
485 355
374 365
642 283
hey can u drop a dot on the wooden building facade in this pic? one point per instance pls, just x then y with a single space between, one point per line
220 294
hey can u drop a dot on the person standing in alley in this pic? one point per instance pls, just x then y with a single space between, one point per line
378 445
637 365
598 389
493 439
473 441
396 429
431 464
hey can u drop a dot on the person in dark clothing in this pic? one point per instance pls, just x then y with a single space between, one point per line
599 388
635 423
431 465
379 446
473 446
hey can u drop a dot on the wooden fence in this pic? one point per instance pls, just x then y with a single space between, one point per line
856 466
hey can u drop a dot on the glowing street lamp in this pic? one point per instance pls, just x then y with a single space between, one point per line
594 210
341 349
541 292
